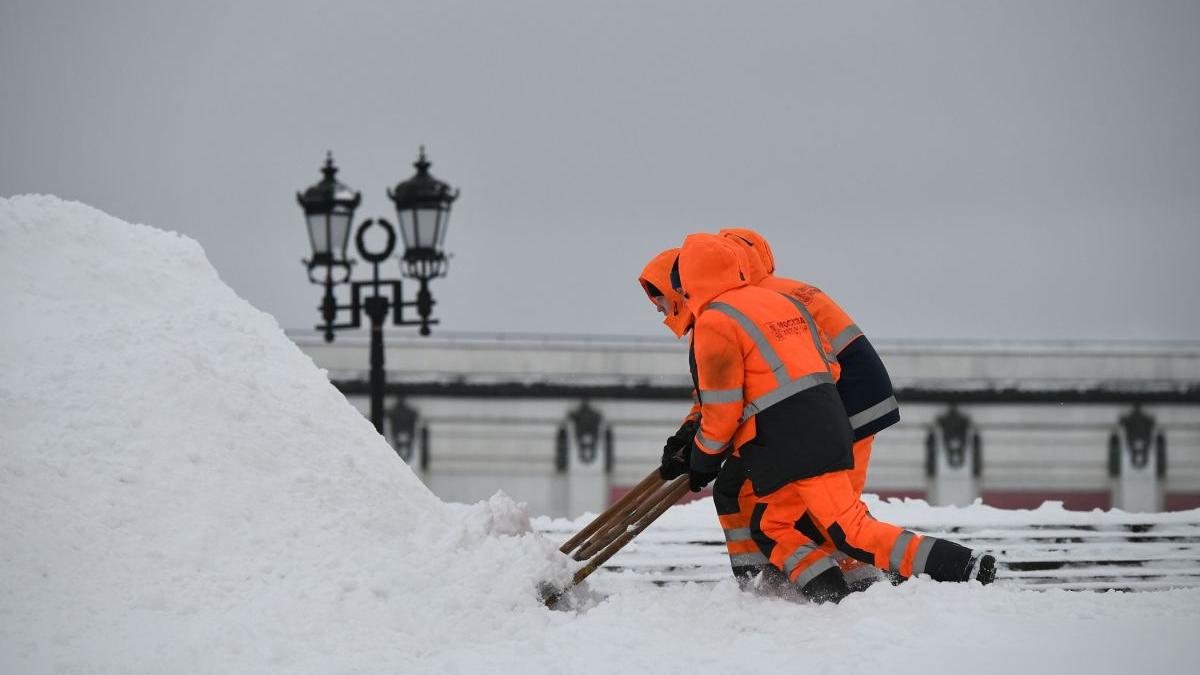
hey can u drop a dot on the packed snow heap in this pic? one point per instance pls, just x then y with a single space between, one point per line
183 491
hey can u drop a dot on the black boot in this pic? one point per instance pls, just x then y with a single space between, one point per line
828 586
762 579
984 567
947 561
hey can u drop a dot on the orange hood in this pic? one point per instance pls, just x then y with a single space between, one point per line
709 265
758 251
656 281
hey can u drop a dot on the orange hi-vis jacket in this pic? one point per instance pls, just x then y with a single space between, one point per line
863 382
763 378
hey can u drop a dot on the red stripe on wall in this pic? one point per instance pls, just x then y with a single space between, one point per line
897 494
1184 501
1072 501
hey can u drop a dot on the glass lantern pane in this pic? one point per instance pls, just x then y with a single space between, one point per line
442 224
406 228
339 230
427 227
318 233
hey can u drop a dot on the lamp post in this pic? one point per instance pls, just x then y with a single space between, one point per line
423 209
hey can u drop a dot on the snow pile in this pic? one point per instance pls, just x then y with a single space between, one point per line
182 491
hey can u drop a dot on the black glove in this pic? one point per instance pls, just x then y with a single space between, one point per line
697 480
677 451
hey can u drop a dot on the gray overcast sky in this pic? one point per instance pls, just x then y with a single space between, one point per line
943 169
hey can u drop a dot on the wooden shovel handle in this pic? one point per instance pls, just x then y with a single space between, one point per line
665 499
615 528
612 512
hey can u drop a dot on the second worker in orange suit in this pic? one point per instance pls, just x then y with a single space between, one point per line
766 393
733 497
862 383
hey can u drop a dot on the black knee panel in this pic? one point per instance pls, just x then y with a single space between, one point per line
839 540
765 543
728 485
807 527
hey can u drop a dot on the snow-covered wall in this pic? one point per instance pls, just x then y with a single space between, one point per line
577 359
1031 451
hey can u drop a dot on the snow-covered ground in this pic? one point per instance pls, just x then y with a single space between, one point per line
182 491
1047 547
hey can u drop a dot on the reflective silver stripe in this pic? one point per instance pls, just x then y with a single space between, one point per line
844 338
721 395
783 391
862 573
755 558
787 386
813 570
794 559
858 571
896 559
713 446
764 347
922 555
812 328
873 413
737 534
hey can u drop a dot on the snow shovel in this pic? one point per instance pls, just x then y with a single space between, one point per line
610 531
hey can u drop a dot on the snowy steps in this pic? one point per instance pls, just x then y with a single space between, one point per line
1131 556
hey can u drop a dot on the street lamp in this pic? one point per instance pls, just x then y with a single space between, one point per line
423 207
329 209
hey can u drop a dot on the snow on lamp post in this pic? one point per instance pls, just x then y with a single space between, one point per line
423 206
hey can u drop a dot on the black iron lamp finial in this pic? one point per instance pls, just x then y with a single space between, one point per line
422 164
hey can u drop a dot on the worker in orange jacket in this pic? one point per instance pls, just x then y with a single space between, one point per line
745 557
766 394
733 497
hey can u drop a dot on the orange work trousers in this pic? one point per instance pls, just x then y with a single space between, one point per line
862 457
801 555
830 502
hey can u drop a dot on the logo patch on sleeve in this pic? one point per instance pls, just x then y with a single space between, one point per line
805 293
